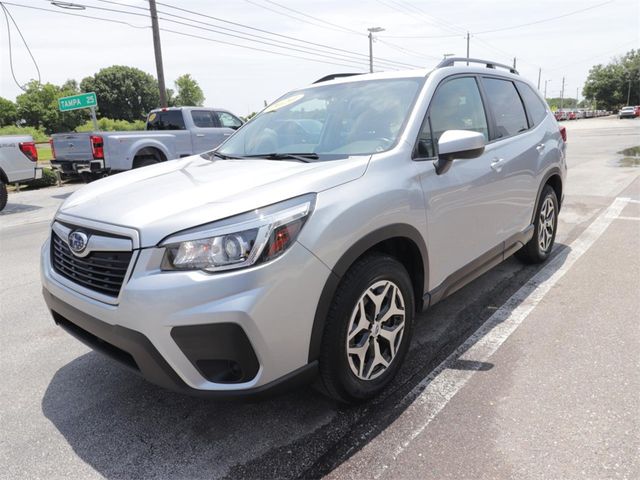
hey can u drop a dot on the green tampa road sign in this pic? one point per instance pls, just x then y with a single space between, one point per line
83 100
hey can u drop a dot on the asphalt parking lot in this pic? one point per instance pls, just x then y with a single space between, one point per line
528 372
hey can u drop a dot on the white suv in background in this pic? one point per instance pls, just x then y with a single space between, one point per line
303 247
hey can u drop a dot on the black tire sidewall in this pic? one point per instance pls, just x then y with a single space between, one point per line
4 195
334 362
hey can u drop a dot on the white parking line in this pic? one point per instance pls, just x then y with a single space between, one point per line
629 218
440 386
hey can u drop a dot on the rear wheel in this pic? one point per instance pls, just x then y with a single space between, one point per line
537 250
368 329
3 195
145 161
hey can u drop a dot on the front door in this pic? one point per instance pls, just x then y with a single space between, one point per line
460 204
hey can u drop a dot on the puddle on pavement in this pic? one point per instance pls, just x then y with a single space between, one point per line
630 157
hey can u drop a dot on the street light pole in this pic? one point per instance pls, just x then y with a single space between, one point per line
545 89
158 52
372 30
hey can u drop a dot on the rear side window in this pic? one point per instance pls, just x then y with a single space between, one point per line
507 107
536 108
203 119
456 105
169 120
228 120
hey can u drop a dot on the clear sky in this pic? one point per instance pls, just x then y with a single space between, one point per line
417 32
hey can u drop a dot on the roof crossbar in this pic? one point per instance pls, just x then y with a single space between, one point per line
333 76
450 61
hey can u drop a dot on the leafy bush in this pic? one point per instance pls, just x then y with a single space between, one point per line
48 178
37 133
110 125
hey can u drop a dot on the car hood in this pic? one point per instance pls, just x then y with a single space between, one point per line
172 196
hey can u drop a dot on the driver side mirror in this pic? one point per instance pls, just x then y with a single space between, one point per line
457 144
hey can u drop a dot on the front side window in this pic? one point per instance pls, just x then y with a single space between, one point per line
506 106
456 105
203 119
330 121
228 120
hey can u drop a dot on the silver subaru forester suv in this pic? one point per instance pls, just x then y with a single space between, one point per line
303 247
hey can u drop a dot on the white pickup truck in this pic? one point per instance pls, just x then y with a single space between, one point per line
18 162
170 133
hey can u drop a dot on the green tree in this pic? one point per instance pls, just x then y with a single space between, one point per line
8 112
611 85
38 107
124 93
189 92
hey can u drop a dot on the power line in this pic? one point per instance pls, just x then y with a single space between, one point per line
7 15
351 56
277 34
334 25
184 34
546 19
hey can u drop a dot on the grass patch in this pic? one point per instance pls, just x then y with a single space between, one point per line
631 152
44 152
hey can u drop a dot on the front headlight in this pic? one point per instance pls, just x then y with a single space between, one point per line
241 241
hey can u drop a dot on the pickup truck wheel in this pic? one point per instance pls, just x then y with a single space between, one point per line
144 161
3 195
368 329
537 250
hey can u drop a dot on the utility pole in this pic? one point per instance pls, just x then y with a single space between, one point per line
468 37
539 75
372 30
562 94
545 89
158 52
577 89
629 91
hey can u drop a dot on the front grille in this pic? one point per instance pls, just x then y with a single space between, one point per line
102 272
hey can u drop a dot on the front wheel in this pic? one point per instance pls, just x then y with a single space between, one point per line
368 329
537 250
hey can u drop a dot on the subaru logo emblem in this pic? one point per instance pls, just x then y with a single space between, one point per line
78 241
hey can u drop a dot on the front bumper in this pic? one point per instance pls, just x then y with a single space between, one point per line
158 324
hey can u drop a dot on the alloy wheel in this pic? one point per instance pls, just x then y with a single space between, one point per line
375 330
546 224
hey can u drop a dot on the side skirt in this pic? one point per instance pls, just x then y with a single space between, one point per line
477 267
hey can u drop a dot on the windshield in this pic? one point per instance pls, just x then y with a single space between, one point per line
330 121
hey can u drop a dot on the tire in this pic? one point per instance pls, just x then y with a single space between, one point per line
361 375
4 196
537 250
144 162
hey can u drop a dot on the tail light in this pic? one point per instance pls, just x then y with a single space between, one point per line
53 150
563 132
97 146
30 150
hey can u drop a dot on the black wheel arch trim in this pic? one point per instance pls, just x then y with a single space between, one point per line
550 173
397 230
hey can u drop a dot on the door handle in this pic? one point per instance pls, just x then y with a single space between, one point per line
199 134
497 164
540 147
226 134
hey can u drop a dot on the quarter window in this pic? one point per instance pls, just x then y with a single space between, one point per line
507 107
536 108
456 105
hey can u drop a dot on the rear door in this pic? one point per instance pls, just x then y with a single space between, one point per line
515 149
172 122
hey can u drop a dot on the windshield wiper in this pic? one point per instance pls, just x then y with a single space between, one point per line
301 157
214 153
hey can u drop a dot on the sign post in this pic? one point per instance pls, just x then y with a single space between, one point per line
82 100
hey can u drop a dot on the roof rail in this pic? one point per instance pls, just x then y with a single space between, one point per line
333 76
450 61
